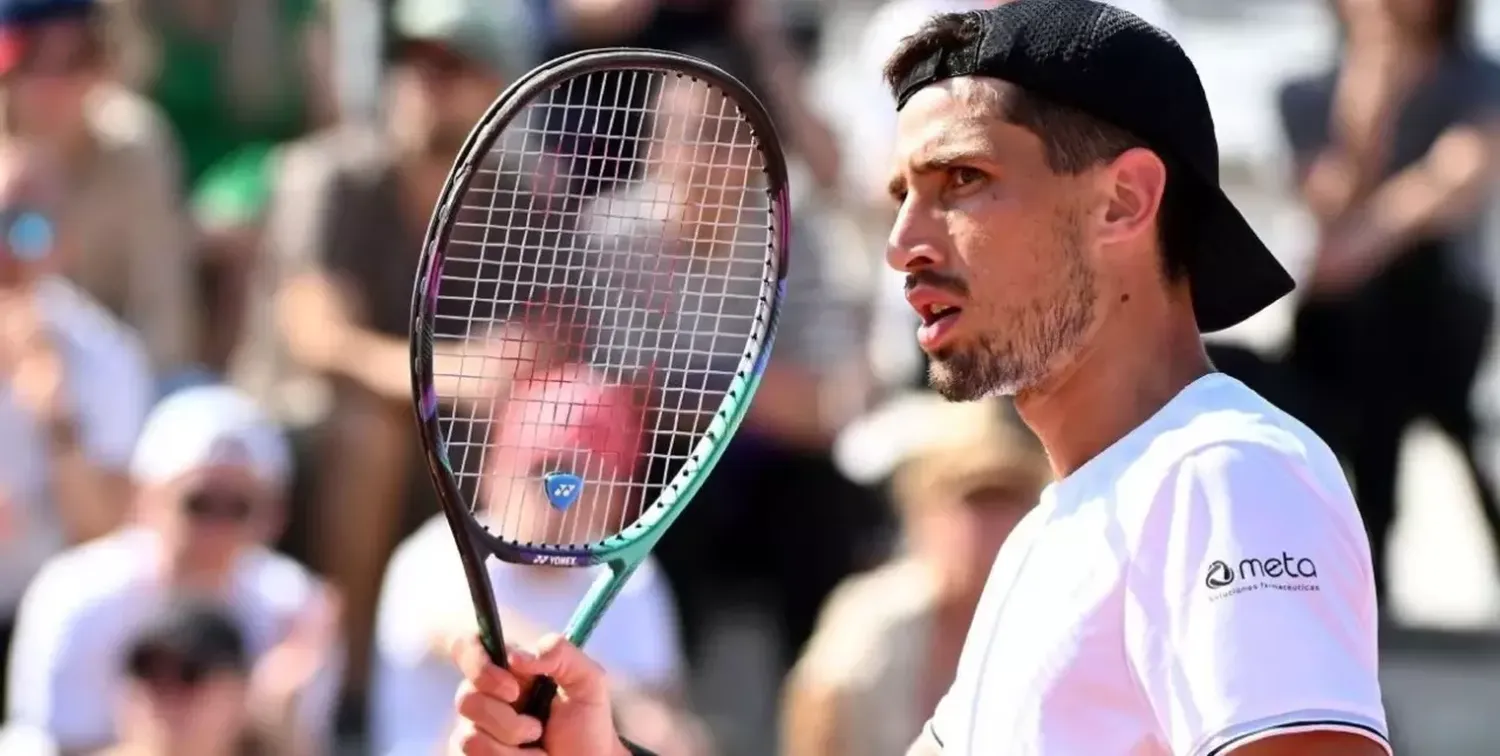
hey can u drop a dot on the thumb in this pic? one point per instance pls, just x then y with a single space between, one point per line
576 674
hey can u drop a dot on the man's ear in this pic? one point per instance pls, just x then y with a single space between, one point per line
1134 184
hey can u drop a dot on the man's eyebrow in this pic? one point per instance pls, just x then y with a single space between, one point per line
943 156
937 158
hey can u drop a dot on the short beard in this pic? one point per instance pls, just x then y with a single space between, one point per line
1040 332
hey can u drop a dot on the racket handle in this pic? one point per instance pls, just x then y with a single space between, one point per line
538 703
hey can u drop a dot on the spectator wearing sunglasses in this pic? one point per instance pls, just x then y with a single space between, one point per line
74 389
210 473
187 690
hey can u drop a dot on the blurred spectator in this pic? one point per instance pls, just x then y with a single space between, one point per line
188 690
1395 150
228 73
74 389
210 473
331 299
557 418
122 235
745 37
963 477
670 240
228 207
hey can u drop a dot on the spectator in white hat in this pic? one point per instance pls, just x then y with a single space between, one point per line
962 476
210 473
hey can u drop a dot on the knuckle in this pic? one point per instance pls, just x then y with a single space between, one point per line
475 744
468 699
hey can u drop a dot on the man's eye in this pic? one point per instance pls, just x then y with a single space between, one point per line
962 176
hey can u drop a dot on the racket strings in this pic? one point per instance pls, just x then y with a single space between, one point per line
595 336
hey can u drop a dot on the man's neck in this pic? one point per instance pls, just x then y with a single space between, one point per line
184 575
1143 355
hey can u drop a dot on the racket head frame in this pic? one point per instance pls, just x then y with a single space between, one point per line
626 550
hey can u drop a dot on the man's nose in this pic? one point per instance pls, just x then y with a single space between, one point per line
916 239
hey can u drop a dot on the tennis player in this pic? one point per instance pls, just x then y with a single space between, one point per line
1198 581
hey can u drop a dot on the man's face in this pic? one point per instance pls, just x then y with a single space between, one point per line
994 243
209 516
182 707
47 87
437 97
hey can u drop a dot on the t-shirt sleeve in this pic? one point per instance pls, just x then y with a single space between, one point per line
1250 607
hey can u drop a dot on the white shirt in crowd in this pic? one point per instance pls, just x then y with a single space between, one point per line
1202 583
637 641
109 381
87 605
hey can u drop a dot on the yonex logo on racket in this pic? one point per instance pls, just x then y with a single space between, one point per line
562 489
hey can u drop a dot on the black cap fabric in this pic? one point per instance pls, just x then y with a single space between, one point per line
191 631
1108 63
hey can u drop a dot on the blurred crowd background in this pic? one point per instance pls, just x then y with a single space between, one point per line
217 536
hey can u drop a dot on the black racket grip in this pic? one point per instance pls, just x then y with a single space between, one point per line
538 703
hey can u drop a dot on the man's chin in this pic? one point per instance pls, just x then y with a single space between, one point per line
962 378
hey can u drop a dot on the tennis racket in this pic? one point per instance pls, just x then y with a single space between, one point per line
580 361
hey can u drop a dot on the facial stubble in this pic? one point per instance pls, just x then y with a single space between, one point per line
1037 333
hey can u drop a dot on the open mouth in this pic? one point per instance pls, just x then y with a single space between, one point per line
933 314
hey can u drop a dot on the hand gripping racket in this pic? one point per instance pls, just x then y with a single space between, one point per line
580 362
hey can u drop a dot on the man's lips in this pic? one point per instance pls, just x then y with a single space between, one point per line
933 304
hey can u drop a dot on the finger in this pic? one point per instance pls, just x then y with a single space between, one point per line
469 740
574 672
474 662
495 718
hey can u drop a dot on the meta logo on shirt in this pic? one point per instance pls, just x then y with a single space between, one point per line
1277 573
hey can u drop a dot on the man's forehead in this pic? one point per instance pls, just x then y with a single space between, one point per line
961 114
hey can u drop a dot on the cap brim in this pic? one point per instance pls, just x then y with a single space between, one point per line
1234 275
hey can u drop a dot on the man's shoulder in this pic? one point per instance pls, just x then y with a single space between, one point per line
88 326
429 543
867 615
874 601
345 152
125 123
276 579
92 575
1220 410
1220 423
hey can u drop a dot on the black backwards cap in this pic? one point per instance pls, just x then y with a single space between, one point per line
1108 63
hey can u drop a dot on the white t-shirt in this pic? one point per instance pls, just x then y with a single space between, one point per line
109 381
87 605
637 640
1202 583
